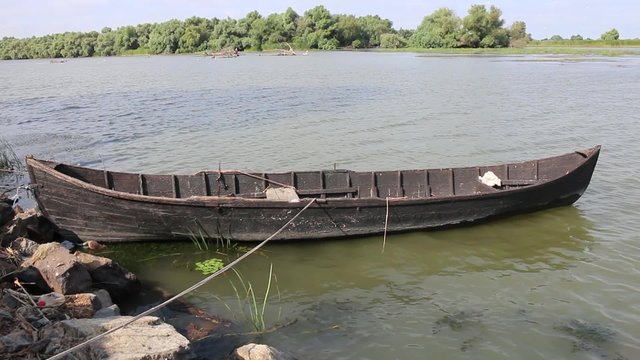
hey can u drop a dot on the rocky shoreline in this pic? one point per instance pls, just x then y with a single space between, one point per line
55 294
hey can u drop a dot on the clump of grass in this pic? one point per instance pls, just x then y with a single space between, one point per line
250 305
202 240
8 159
11 169
199 239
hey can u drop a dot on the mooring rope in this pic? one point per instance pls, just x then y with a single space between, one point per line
386 224
184 292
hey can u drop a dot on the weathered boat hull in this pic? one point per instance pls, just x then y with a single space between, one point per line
88 212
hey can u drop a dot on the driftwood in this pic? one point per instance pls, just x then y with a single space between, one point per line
285 52
225 53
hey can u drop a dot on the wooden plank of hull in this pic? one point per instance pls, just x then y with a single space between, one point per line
109 216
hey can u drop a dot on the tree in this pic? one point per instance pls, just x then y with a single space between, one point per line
348 29
165 37
194 38
576 37
316 28
225 34
280 28
518 31
258 33
392 41
143 31
405 34
372 27
105 43
441 29
612 34
126 38
556 38
483 28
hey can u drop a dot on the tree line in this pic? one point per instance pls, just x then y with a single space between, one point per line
317 28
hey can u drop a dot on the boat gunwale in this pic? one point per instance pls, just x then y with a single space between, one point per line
230 201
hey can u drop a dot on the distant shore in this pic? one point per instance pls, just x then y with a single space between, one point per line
529 50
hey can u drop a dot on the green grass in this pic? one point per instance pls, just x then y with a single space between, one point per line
202 240
586 43
8 158
135 52
529 50
249 305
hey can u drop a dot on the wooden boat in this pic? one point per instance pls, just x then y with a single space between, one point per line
114 206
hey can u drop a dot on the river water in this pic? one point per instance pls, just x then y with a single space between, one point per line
562 283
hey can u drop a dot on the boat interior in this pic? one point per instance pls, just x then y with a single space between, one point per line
331 183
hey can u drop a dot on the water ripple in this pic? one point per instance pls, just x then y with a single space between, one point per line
512 285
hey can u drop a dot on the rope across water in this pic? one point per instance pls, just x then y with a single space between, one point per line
184 292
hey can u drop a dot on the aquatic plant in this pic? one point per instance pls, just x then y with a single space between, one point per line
456 321
588 336
8 159
251 307
11 168
210 266
201 238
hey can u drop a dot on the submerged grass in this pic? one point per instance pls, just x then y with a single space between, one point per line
250 306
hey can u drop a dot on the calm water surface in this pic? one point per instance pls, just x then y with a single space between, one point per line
559 284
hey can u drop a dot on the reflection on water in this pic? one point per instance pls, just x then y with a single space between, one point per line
347 292
547 240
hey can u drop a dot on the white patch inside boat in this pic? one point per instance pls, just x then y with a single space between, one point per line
490 179
282 193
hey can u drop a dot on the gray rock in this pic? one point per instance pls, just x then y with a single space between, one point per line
61 270
108 311
15 341
104 298
24 247
6 319
147 338
4 314
109 275
260 352
81 306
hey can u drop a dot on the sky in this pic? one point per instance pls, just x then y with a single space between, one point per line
544 18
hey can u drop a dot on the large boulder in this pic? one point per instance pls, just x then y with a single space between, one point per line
32 281
81 306
109 275
260 352
15 341
61 270
147 338
19 226
28 224
6 212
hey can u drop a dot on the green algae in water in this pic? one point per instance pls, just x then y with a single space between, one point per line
210 266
